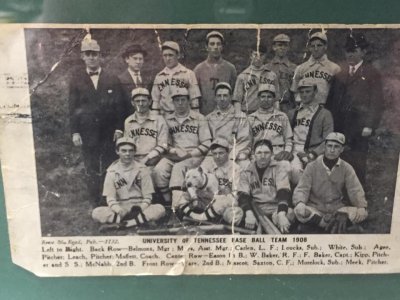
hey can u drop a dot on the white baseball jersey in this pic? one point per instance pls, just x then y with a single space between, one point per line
322 71
150 134
168 79
228 176
302 125
133 183
246 87
224 125
193 132
264 190
274 126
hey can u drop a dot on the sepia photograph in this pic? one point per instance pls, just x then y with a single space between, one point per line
199 131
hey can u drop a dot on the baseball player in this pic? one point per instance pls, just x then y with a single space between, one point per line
149 132
190 141
128 189
96 114
246 87
319 198
213 70
268 123
133 77
318 67
266 182
357 103
284 69
224 204
173 76
311 123
224 124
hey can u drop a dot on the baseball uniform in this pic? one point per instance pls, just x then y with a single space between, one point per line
148 134
208 75
124 188
264 190
169 79
273 126
322 190
189 133
321 70
246 87
224 125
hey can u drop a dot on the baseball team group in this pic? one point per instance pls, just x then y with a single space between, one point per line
279 148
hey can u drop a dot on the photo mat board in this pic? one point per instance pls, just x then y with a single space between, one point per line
52 203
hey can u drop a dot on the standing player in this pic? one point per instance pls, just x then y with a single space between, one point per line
268 123
357 103
246 88
128 189
173 76
95 114
224 124
284 69
318 67
319 198
213 70
149 132
190 141
266 183
132 77
311 123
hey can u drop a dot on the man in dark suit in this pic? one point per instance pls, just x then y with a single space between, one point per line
95 115
356 102
132 77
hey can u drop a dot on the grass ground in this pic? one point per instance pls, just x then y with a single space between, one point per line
64 206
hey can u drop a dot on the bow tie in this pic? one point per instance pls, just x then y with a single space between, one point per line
96 73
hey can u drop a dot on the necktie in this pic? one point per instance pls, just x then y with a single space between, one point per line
138 79
93 73
352 70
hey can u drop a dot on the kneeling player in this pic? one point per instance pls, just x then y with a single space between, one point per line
265 185
128 189
319 196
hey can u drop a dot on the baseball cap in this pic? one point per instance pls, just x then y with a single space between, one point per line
259 47
356 40
223 85
171 45
319 35
306 82
89 45
215 33
281 38
125 140
133 49
266 88
179 92
139 91
336 137
219 142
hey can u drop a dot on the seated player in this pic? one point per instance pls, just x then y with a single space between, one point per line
311 123
268 123
149 132
319 198
265 183
224 124
190 140
128 189
227 173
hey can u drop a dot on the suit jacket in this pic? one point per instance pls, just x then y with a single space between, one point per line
95 113
356 101
127 85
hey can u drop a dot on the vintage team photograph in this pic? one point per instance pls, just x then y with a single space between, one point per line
213 131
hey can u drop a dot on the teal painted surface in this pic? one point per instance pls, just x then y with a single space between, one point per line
16 283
